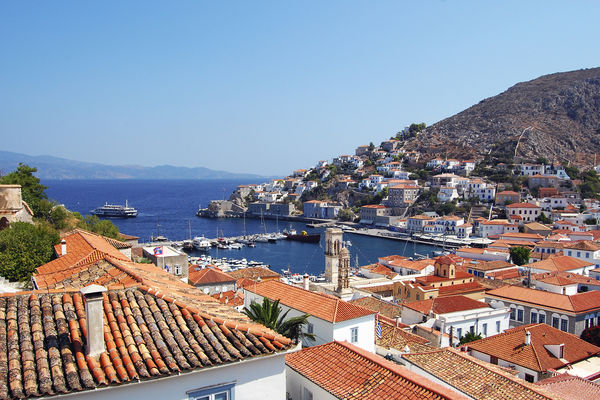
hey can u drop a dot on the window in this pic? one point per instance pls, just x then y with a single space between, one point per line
513 312
177 269
310 328
307 394
484 329
472 329
520 315
498 326
529 378
534 317
459 332
354 335
564 324
555 322
542 318
217 392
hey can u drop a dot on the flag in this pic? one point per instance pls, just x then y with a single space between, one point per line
158 251
378 329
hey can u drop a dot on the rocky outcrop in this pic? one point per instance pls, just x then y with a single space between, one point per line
556 116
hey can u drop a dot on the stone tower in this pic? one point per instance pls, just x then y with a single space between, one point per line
343 270
333 246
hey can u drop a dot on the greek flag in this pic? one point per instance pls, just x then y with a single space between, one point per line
158 251
379 333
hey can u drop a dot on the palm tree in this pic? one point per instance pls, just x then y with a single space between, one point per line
269 314
470 337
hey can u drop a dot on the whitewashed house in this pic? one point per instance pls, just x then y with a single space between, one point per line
457 314
329 318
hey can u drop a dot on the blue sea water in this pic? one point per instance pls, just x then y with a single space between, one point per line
173 204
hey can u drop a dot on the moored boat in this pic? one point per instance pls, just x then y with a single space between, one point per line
303 236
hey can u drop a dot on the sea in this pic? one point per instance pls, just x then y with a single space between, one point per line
168 208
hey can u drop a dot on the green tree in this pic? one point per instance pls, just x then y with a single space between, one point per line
591 335
543 219
346 214
519 255
590 221
24 247
470 337
269 314
32 190
371 147
102 227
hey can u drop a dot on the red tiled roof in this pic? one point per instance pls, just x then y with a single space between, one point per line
560 263
510 346
395 337
348 372
522 205
325 307
207 276
586 245
476 378
231 298
463 288
147 336
570 387
383 307
444 305
576 303
254 273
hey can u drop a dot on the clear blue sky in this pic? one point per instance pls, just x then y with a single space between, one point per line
264 87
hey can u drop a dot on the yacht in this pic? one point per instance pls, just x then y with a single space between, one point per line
201 243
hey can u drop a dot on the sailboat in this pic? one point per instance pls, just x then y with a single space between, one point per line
158 237
188 244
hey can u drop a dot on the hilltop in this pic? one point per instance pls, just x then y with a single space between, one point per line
555 116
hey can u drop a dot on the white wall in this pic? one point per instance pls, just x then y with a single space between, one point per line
296 383
366 332
569 289
521 370
410 316
465 319
255 379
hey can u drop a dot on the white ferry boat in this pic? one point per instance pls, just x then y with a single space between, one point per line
115 211
201 243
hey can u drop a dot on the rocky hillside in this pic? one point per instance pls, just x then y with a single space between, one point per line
555 116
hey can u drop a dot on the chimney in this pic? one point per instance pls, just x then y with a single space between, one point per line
94 315
527 338
305 282
63 247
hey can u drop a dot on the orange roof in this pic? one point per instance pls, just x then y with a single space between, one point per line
374 206
560 263
254 272
510 346
570 387
576 303
208 276
325 307
445 305
562 278
476 378
586 245
508 193
522 205
231 298
490 265
463 288
519 235
349 372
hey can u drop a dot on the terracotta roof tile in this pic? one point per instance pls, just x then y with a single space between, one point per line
395 337
444 305
560 264
576 303
328 308
146 336
385 308
255 272
510 346
476 378
570 387
348 372
207 276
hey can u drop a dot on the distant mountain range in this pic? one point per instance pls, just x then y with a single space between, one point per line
60 168
555 116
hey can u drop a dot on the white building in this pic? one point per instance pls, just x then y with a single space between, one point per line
329 318
447 193
457 314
